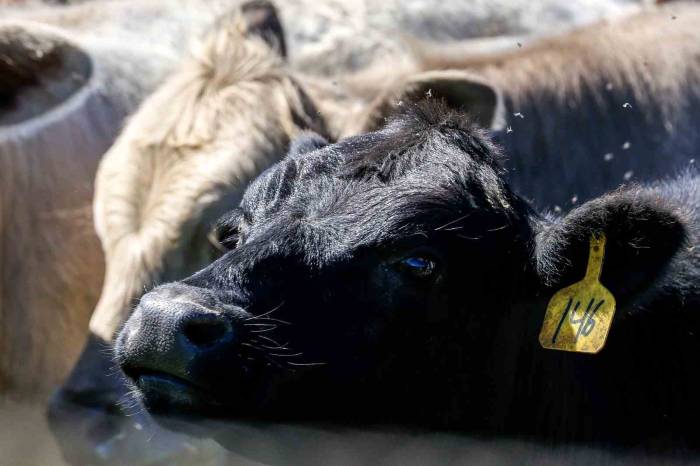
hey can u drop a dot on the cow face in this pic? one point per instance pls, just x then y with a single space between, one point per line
355 271
394 271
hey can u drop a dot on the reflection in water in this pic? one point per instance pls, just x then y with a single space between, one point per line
26 440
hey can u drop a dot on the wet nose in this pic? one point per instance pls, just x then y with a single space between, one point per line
172 326
204 330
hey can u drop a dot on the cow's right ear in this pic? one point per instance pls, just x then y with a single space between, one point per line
643 233
306 141
260 18
459 89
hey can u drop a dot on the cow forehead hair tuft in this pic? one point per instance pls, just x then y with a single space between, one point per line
422 133
427 148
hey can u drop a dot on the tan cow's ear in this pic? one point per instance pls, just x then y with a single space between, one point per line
459 89
38 71
260 18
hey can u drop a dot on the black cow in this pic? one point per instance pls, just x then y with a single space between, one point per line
394 277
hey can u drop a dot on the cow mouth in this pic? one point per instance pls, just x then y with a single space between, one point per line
170 395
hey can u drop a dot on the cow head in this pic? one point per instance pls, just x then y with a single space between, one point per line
186 156
385 278
354 245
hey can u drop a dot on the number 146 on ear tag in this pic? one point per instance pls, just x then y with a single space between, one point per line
579 316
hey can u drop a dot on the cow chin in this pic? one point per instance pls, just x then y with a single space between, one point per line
184 404
177 405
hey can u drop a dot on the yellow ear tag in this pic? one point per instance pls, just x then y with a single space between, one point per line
579 316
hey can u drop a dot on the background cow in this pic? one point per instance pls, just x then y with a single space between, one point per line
61 106
62 103
338 36
606 104
224 115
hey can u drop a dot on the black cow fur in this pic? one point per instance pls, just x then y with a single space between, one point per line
394 277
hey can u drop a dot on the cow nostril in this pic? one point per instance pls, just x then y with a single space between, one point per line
205 330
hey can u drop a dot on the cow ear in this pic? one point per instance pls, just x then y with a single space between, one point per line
306 141
459 89
643 232
38 70
260 18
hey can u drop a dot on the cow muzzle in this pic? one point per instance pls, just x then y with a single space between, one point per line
172 348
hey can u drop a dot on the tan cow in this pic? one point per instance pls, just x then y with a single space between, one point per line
63 99
61 106
65 90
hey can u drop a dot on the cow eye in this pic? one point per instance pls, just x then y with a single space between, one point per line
229 237
418 266
225 237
